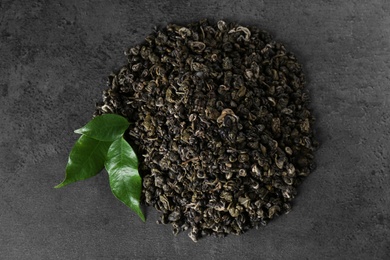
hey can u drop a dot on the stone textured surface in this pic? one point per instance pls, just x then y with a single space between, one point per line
54 59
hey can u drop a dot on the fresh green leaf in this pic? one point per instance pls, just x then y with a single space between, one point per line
107 127
125 181
85 160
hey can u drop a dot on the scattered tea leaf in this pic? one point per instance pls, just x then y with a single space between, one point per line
86 159
107 127
223 122
125 181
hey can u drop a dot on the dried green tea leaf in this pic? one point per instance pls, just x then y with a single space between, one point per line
125 181
85 160
221 121
108 127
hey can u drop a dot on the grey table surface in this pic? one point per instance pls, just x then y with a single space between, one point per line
54 59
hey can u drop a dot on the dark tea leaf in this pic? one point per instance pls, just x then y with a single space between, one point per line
85 160
221 121
107 127
125 181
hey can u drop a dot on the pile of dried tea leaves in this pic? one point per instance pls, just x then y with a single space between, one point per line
220 122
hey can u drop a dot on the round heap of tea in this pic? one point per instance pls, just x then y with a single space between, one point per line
220 123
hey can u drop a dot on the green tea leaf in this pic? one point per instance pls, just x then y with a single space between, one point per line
107 127
125 181
85 160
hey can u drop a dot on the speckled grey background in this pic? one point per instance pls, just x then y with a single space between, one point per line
54 59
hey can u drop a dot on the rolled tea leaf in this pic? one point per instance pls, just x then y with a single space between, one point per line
86 159
125 181
107 127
